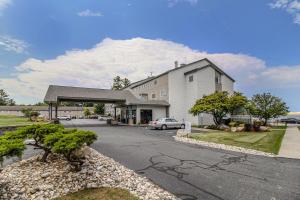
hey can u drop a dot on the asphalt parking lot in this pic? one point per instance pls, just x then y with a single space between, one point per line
196 172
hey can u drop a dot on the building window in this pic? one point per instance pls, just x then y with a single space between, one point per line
153 96
144 96
191 78
155 82
218 81
163 93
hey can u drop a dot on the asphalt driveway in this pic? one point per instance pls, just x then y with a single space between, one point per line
195 172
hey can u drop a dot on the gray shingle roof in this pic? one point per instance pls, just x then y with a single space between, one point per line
65 93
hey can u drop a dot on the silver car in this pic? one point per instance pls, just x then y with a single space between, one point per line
64 118
165 123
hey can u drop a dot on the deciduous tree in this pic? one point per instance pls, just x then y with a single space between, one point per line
119 83
266 106
99 109
219 104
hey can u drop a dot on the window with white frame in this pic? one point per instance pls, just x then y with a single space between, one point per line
163 93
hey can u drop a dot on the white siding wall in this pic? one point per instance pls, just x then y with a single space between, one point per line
157 112
183 94
178 91
158 87
227 84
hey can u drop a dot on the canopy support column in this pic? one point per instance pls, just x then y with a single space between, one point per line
56 108
50 111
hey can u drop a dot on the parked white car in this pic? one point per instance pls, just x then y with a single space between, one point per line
64 118
104 118
165 123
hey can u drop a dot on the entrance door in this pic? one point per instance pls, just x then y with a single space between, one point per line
146 116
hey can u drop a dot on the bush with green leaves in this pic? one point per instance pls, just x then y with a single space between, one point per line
30 114
50 138
37 133
68 142
10 147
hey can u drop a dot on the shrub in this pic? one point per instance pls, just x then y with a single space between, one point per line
38 133
10 147
215 127
256 125
86 112
248 127
50 138
30 114
232 124
68 143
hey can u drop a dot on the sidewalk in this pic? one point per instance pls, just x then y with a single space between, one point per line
290 146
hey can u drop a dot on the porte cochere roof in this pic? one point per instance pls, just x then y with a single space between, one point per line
56 93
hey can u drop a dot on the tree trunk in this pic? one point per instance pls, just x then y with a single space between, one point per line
45 155
265 122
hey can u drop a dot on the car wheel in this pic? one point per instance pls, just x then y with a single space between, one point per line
164 127
182 126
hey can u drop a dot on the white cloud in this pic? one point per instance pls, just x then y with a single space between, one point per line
136 58
89 13
172 3
4 3
297 19
290 6
8 43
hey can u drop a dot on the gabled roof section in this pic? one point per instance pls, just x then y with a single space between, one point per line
56 93
140 82
211 64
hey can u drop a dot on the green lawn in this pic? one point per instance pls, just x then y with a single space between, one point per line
100 194
11 120
267 141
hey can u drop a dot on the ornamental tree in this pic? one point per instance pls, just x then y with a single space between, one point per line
215 104
266 106
38 132
50 138
236 101
68 142
219 104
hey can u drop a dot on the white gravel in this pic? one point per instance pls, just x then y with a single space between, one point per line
222 146
32 179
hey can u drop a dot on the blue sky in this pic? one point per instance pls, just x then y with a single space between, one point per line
87 42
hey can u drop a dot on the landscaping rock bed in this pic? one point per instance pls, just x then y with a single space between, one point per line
32 179
222 146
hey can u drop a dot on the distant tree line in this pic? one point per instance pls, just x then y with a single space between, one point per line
5 100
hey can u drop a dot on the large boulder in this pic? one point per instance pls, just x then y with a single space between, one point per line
181 133
240 129
224 127
264 128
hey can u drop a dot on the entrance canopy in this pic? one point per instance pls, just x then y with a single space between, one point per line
56 94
